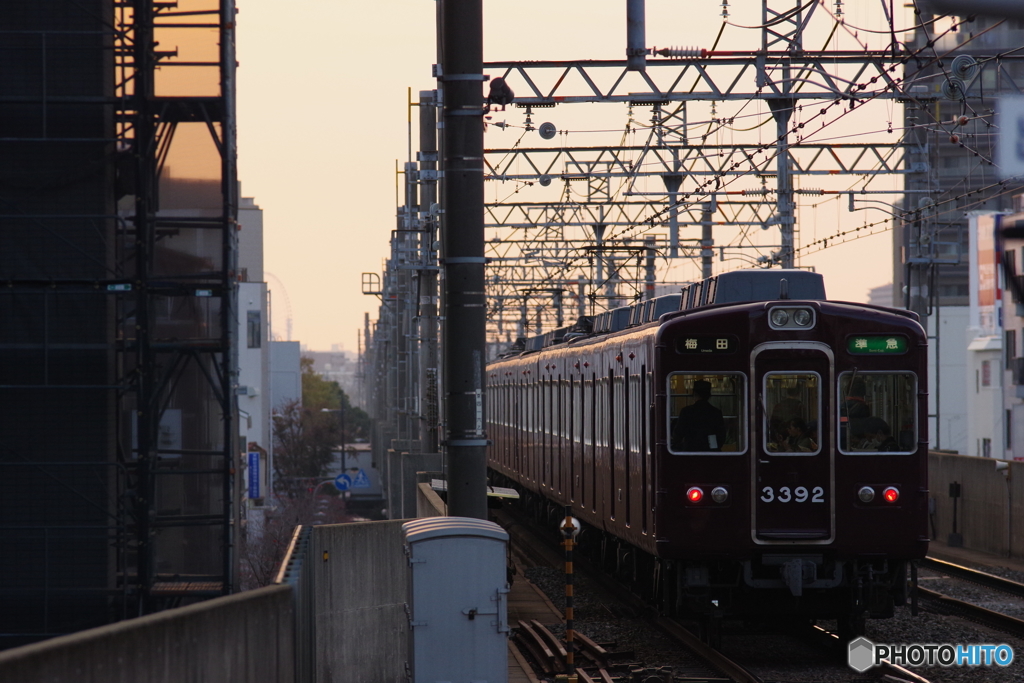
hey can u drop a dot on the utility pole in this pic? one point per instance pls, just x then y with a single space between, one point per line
672 182
707 241
428 274
785 27
650 278
461 74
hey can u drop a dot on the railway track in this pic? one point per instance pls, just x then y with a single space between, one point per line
550 653
597 662
607 663
946 605
974 576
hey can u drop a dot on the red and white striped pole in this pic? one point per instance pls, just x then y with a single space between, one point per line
570 528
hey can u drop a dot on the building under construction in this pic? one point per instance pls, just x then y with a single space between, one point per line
118 230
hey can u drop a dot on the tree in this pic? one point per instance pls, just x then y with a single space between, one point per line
263 548
307 433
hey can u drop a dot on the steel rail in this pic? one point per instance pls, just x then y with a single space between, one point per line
975 613
527 542
894 671
974 576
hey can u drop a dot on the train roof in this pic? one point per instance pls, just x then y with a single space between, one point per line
764 285
739 286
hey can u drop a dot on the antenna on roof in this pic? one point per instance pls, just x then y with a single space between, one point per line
783 288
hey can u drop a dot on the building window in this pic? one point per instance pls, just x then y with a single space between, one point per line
986 373
253 329
1011 348
954 290
1009 272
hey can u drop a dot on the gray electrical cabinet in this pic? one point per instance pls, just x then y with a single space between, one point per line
458 600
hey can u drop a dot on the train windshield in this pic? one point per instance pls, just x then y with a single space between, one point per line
706 413
876 412
792 409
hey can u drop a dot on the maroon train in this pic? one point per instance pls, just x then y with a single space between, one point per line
797 486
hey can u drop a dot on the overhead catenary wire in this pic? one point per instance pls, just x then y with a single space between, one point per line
758 160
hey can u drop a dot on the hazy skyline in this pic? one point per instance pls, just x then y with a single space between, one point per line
322 120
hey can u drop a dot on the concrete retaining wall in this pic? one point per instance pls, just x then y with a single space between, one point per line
242 638
428 503
349 597
360 585
985 516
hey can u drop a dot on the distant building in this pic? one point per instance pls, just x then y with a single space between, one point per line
285 373
943 167
254 386
881 295
995 372
337 366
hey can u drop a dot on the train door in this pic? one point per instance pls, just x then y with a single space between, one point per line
619 445
792 443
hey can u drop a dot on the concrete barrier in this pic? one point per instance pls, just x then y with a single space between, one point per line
428 503
243 638
990 510
360 585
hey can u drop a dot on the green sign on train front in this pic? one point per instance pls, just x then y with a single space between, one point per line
877 343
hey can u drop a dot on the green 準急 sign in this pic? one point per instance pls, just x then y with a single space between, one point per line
877 343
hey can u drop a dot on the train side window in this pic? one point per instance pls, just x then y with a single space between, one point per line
792 413
877 412
707 413
709 291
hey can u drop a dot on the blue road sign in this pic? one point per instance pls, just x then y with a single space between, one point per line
254 474
343 482
361 481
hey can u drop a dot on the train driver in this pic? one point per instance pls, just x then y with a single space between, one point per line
700 425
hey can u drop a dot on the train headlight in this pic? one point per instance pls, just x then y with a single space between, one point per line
780 317
866 494
695 494
719 494
791 318
891 494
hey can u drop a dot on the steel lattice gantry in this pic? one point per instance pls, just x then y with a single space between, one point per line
804 90
118 207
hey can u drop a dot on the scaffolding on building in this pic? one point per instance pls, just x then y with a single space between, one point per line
119 206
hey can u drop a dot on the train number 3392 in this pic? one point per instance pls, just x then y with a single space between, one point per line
798 495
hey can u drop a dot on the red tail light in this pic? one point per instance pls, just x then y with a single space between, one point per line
695 494
891 494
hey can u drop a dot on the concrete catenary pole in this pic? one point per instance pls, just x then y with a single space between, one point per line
650 276
707 241
463 244
428 276
636 35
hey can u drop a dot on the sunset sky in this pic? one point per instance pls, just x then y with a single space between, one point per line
322 89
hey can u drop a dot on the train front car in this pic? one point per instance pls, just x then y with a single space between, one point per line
792 459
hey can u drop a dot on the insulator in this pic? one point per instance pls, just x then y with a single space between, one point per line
681 52
755 193
839 8
811 191
725 9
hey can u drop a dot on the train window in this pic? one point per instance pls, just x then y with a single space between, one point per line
618 412
588 412
709 294
706 413
877 412
792 413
